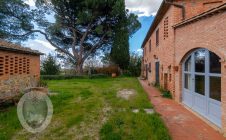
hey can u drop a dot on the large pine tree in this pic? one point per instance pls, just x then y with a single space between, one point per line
80 29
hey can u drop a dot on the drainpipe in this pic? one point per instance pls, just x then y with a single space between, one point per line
179 6
183 18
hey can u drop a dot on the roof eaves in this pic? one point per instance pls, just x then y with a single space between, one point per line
21 51
161 11
8 46
202 15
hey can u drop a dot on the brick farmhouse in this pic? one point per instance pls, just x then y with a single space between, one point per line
184 52
19 69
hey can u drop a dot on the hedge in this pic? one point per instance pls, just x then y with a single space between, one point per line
63 77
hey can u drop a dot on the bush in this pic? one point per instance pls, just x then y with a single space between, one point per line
42 83
64 77
49 66
126 73
61 77
108 70
134 68
94 76
165 93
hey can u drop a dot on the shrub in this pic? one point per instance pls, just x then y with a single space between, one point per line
126 73
165 93
135 65
49 66
94 76
42 83
108 70
64 77
61 77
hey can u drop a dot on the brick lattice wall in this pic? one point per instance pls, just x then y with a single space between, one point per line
17 72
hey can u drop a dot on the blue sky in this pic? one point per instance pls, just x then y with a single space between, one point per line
137 39
145 9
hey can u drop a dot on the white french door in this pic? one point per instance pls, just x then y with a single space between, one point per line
202 84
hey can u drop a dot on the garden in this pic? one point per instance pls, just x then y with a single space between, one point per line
91 109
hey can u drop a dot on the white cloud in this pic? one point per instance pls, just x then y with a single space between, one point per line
139 7
40 45
139 51
143 7
45 43
30 2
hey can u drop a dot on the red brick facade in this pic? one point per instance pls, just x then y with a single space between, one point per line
19 68
13 63
204 26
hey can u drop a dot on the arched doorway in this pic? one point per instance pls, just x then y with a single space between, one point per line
202 84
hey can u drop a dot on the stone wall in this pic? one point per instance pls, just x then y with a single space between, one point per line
16 85
18 71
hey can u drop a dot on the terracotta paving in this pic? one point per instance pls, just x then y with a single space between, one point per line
182 124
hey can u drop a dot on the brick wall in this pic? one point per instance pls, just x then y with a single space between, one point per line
195 7
209 33
18 72
163 52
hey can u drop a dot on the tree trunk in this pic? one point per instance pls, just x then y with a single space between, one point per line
79 69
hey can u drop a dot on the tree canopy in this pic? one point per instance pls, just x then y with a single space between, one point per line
49 66
81 27
120 48
15 18
120 53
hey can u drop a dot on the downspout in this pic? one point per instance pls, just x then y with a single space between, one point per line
179 6
183 18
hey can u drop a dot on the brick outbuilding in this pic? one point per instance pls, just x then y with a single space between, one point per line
19 69
185 53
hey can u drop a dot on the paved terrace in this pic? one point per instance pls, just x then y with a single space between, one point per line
182 124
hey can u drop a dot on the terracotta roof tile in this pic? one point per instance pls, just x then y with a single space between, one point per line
4 45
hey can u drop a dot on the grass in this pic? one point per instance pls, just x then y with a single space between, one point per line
9 123
74 120
129 126
90 109
165 93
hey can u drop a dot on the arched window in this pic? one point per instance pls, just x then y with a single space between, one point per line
202 84
215 79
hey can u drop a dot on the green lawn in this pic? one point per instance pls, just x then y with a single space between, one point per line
89 109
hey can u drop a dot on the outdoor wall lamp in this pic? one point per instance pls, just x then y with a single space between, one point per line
223 61
176 68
